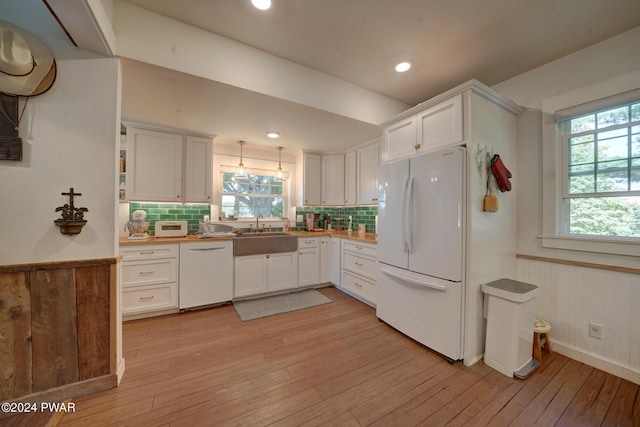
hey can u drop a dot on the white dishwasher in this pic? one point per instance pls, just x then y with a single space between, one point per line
206 273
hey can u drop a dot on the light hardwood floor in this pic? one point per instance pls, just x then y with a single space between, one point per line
332 365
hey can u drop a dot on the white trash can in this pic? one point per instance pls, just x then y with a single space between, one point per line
509 307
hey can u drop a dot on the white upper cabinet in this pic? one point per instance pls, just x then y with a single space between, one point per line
311 179
400 139
333 180
198 170
438 126
350 178
167 167
368 162
154 166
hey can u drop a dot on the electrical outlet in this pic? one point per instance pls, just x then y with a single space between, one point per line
596 330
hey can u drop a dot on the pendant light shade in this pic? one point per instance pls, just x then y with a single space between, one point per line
279 175
240 173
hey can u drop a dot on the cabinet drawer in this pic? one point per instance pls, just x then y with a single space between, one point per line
361 265
359 286
149 272
148 298
362 248
134 253
308 242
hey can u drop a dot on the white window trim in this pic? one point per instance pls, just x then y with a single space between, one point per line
552 168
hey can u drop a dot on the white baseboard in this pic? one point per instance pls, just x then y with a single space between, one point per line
598 362
472 361
120 372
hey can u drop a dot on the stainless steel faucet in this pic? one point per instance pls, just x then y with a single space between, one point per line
258 218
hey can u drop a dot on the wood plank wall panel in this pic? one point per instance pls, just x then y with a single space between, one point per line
15 336
54 328
93 310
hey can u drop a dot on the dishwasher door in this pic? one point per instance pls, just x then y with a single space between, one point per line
206 273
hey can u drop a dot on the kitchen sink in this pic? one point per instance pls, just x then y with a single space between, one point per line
264 243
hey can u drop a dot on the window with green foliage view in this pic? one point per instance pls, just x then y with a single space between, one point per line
601 194
251 197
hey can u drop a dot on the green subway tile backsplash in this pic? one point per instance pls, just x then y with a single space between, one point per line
193 214
360 215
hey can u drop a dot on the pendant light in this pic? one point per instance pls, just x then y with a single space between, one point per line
280 176
240 173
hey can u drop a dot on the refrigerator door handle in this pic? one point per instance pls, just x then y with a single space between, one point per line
404 214
414 281
410 215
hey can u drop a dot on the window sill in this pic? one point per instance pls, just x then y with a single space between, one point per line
592 244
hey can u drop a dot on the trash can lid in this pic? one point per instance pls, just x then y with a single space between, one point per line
511 290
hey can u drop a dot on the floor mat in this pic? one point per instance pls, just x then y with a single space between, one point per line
268 306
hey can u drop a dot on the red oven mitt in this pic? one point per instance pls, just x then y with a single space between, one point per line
501 173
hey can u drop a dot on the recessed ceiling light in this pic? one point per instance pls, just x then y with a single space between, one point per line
262 4
273 134
402 67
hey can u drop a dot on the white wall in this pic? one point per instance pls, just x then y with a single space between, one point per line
570 298
69 139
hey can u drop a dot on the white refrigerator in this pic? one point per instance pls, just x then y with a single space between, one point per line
421 229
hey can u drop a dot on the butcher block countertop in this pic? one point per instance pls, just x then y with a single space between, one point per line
192 238
367 237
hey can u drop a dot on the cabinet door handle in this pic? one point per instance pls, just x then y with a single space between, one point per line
359 264
375 199
145 272
358 284
268 256
417 146
178 196
146 298
359 247
147 252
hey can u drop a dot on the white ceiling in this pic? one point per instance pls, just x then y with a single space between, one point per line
358 41
448 41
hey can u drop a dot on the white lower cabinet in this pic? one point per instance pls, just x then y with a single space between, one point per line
149 280
308 261
325 259
257 274
359 270
335 265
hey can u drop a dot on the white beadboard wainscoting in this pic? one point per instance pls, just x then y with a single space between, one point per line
571 296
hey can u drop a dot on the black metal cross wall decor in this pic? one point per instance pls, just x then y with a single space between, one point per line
72 219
